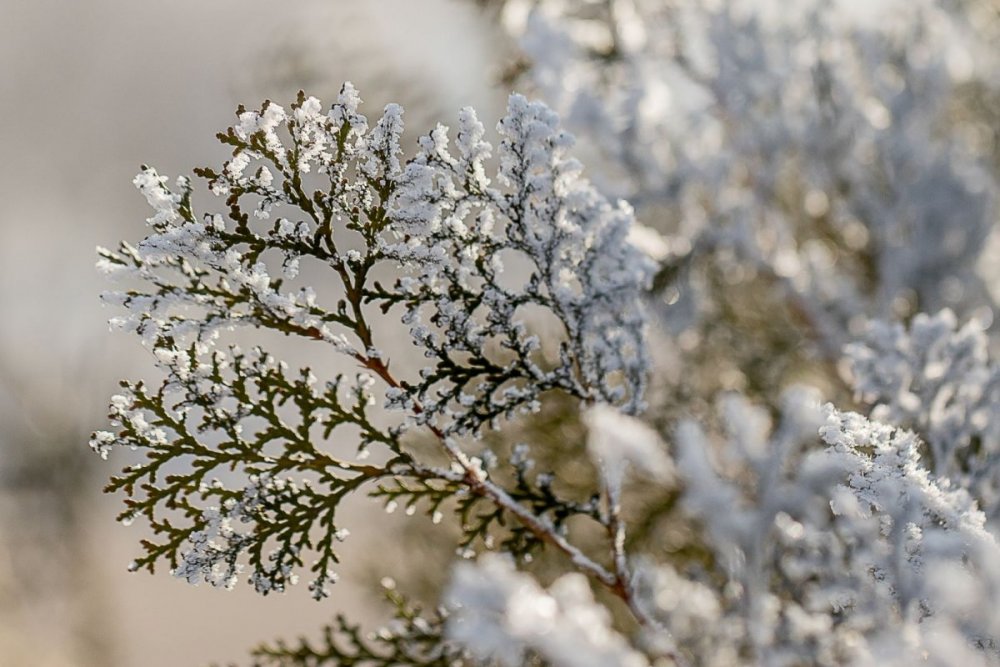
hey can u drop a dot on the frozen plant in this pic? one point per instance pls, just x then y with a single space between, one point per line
242 468
803 534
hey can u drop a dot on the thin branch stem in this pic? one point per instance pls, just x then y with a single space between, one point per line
473 478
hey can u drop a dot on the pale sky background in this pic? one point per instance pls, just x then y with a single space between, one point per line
89 90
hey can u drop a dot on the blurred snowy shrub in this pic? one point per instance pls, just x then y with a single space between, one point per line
825 162
937 378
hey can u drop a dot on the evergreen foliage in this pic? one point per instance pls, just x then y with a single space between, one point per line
709 526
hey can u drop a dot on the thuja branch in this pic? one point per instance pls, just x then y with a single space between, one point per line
304 187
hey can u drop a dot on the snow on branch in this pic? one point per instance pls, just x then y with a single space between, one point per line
238 476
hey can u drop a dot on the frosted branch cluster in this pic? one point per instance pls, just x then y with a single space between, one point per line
729 433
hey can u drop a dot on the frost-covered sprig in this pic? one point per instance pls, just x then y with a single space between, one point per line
227 414
937 378
413 637
929 531
456 232
886 475
238 472
212 274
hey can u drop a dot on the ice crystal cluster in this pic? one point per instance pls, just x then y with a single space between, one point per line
713 430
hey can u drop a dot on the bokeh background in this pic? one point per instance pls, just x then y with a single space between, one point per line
90 90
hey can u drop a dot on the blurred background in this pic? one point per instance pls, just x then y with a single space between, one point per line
90 90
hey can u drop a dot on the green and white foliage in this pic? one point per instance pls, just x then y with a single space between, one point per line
413 637
237 477
817 536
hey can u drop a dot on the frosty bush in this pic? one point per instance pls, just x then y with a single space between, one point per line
762 526
822 162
